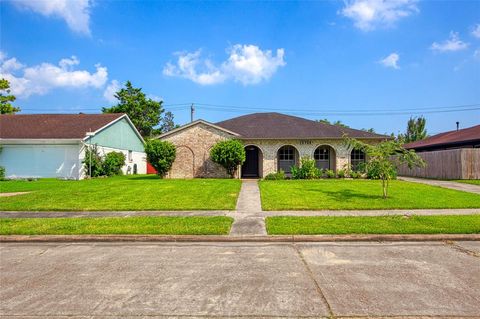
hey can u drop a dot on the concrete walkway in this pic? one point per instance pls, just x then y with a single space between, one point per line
248 219
446 184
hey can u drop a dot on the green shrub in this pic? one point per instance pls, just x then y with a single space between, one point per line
2 173
113 163
160 154
230 154
355 175
341 173
275 176
93 162
373 170
329 173
307 169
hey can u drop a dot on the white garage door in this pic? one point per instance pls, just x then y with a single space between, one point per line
41 161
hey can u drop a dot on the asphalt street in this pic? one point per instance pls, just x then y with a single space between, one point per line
247 280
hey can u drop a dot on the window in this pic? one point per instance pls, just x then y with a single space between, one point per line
322 157
321 154
286 153
357 157
130 156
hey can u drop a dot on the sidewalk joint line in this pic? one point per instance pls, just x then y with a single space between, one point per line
317 285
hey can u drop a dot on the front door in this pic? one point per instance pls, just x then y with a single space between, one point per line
250 166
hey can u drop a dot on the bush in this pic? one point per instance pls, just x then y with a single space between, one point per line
160 154
113 163
341 173
329 173
275 176
93 162
355 175
2 173
307 170
373 171
230 154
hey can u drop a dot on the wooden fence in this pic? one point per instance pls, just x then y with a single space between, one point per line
461 163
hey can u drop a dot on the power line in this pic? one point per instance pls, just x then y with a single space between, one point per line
326 109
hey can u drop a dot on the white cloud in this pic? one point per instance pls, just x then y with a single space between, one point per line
476 54
246 64
391 61
370 14
76 13
110 90
41 78
476 31
453 43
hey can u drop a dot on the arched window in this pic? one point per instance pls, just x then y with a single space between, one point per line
322 157
357 157
287 157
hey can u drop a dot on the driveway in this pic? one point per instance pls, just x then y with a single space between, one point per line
248 280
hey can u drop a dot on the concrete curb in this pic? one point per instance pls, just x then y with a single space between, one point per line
226 238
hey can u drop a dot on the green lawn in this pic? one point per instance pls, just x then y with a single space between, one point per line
137 192
469 181
447 224
217 225
359 194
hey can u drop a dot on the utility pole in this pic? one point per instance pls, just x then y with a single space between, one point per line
192 112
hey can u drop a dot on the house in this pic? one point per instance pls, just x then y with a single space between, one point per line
449 155
273 142
53 145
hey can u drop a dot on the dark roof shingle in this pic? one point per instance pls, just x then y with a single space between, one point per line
52 126
277 125
451 137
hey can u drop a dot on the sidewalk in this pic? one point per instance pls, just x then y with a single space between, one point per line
445 184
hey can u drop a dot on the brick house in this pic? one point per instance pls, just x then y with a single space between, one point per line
273 141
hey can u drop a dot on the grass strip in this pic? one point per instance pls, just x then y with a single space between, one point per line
469 181
317 225
158 225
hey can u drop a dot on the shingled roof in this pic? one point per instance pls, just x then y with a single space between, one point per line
277 125
451 138
53 126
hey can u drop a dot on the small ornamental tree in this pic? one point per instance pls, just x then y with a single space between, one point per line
384 158
230 154
160 154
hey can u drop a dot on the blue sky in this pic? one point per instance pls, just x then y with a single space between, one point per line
342 60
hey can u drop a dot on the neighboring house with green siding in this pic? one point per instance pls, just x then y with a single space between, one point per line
53 145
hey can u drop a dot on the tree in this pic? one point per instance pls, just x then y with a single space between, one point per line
145 113
230 154
160 154
384 158
167 124
337 123
6 98
415 130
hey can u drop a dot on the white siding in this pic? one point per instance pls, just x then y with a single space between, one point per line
139 158
59 161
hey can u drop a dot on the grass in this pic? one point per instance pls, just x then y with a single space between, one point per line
359 194
217 225
446 224
469 181
133 192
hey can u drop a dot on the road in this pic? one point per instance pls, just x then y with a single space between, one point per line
248 280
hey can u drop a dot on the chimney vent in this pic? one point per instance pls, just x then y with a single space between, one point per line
458 125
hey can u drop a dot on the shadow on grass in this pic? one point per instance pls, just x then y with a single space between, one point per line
345 195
